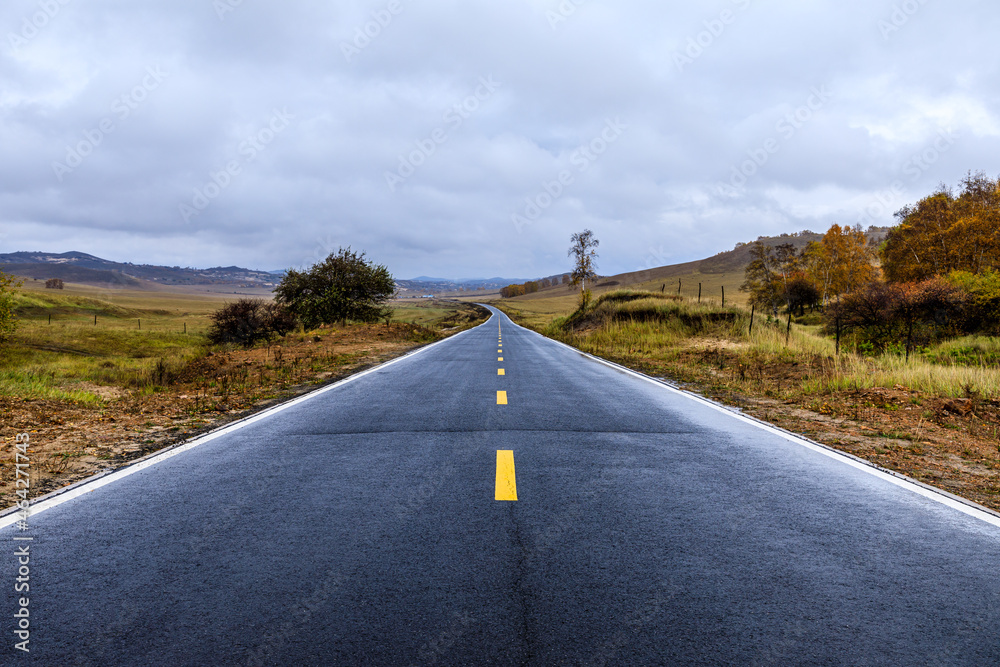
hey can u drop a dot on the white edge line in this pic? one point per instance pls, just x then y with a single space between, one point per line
56 498
955 502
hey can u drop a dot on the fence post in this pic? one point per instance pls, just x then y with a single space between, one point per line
753 310
678 287
699 292
788 331
140 324
723 296
838 333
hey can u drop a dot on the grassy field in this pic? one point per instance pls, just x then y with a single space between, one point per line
70 342
78 302
636 326
428 312
687 284
542 307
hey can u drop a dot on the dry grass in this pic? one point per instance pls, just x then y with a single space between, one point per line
58 349
635 327
139 339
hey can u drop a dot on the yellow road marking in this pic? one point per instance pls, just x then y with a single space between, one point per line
501 398
500 371
499 351
499 358
506 486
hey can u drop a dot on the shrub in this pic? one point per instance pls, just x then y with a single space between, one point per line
926 309
624 295
868 312
800 293
981 312
250 321
879 313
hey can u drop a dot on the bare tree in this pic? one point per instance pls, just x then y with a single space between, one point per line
584 251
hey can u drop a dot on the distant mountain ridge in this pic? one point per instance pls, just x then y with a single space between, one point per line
79 267
428 285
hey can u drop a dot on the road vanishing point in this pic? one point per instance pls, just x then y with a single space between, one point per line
499 498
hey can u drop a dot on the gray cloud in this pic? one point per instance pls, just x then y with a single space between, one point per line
176 99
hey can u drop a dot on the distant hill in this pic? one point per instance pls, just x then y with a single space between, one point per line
79 267
724 269
427 285
735 260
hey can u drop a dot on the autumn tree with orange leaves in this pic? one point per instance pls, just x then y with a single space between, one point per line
841 262
943 233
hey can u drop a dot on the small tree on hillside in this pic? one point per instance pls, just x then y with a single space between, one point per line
8 320
767 275
54 283
919 305
584 251
800 293
342 287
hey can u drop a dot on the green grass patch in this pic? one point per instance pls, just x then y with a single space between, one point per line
966 351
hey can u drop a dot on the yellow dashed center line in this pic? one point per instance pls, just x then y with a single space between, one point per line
499 358
500 371
506 485
501 398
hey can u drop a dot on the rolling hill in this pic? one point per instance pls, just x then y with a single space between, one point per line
724 270
79 267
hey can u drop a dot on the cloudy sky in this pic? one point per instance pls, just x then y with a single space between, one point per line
463 138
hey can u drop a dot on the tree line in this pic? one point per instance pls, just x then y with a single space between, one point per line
532 286
583 250
935 275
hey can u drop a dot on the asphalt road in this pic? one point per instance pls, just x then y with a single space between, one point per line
361 526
